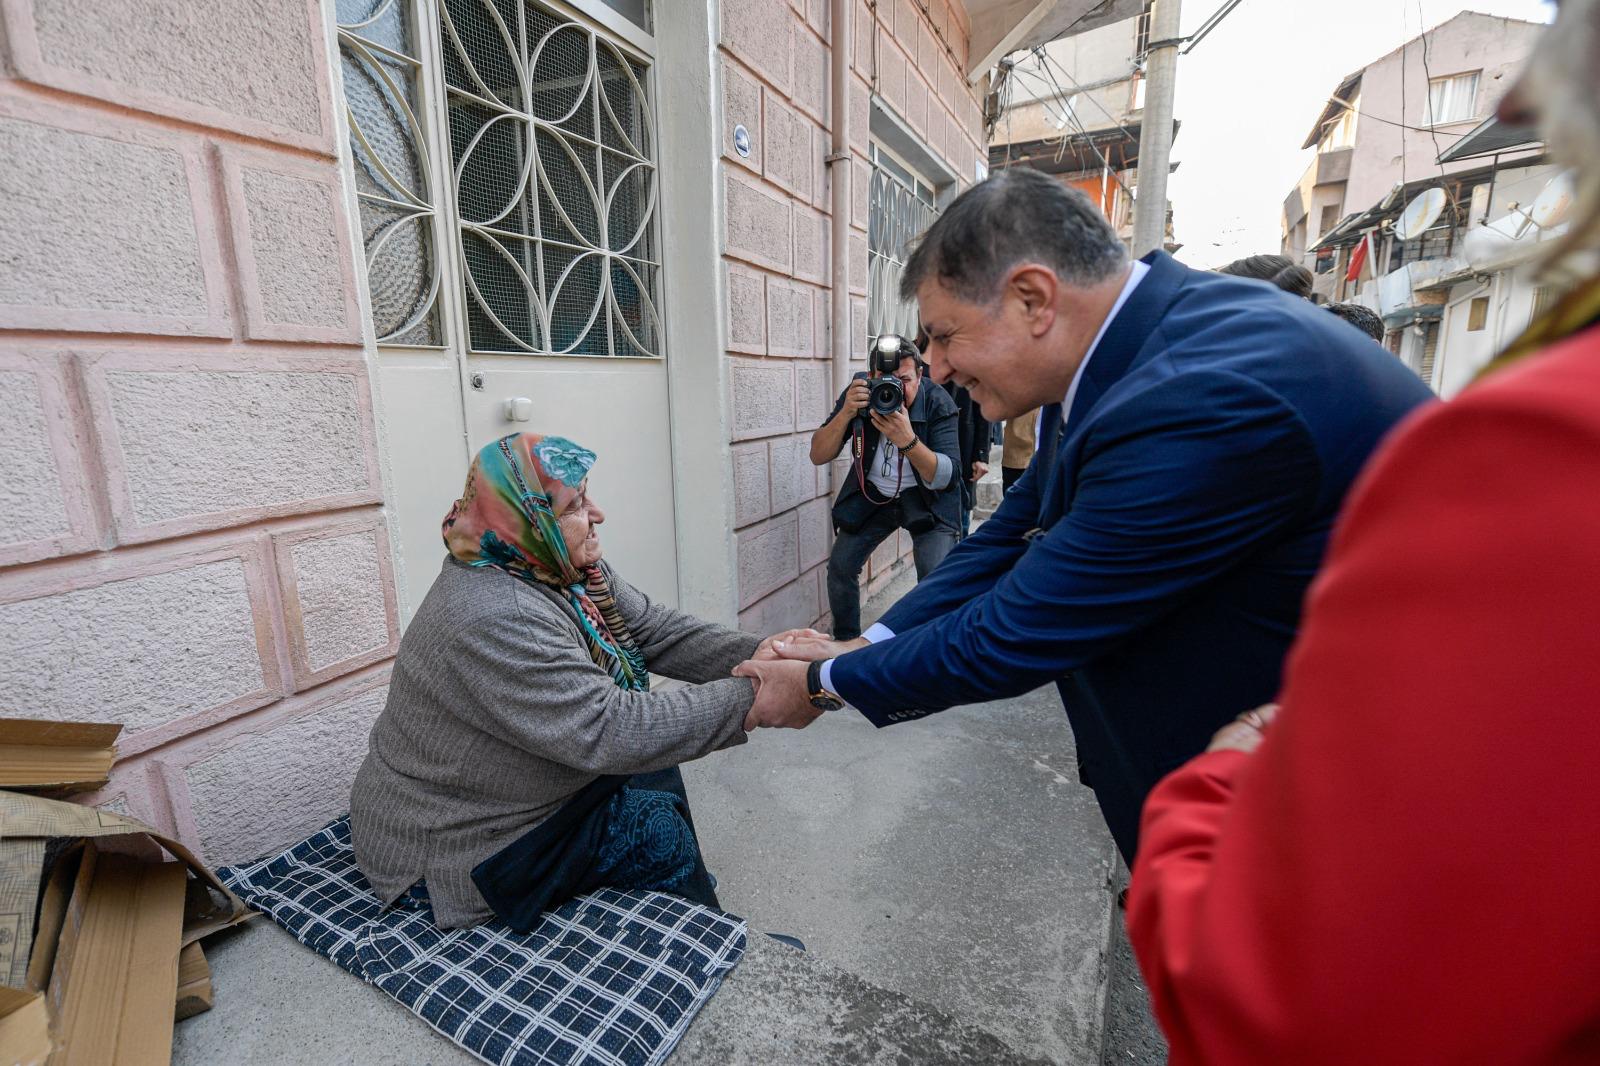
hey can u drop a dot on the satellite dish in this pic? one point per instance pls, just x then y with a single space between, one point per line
1420 214
1069 111
1554 204
1549 209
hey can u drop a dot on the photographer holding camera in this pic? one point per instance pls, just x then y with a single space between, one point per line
905 451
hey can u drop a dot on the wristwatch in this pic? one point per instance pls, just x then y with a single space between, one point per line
820 698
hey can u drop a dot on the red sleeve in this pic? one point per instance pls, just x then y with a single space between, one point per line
1408 869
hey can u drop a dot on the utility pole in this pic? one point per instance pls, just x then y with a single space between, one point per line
1155 136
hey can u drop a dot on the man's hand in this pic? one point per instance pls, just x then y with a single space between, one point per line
772 647
896 427
979 469
810 649
781 697
856 397
1245 732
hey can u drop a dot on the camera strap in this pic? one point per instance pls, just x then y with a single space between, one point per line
858 445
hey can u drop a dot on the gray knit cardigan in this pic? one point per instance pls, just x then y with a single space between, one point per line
497 715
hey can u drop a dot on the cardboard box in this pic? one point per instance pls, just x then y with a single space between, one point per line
115 977
99 933
56 756
24 1028
27 823
194 983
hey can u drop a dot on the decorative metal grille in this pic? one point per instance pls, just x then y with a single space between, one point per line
899 209
383 95
552 142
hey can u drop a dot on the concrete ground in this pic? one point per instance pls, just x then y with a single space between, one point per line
955 859
1132 1037
950 878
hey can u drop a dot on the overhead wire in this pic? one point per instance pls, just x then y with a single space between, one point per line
1208 25
1078 126
1455 208
1049 61
1379 118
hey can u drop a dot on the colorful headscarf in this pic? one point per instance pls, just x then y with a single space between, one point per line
506 518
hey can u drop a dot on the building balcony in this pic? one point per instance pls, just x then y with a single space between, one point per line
1332 167
1404 294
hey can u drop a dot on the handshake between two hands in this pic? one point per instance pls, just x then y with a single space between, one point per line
778 669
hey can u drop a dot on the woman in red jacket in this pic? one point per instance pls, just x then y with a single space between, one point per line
1408 869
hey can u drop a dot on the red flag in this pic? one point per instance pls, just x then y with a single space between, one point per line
1358 259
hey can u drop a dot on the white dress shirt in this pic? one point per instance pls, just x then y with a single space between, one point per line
878 631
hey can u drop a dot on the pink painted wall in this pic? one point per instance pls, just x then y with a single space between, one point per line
192 534
775 82
191 540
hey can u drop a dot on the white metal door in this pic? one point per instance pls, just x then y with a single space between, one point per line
552 133
535 124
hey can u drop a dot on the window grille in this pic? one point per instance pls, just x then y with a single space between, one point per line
1436 243
900 206
552 146
1430 349
382 96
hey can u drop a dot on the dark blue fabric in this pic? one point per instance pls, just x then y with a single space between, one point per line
650 844
1213 437
619 832
609 979
1048 433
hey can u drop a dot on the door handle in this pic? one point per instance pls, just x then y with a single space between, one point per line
518 409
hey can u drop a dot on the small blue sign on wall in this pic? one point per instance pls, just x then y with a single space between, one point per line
741 141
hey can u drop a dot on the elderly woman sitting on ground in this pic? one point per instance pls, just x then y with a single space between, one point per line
521 759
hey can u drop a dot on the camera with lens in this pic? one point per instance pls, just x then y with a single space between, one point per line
887 394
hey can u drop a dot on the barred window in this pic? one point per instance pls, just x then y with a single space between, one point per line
552 149
900 206
549 199
382 71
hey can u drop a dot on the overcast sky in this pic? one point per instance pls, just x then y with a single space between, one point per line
1251 90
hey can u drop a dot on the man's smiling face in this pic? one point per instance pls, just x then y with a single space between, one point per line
1019 350
987 349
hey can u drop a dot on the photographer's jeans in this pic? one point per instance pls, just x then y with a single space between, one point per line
850 553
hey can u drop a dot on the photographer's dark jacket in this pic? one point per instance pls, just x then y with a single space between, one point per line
933 419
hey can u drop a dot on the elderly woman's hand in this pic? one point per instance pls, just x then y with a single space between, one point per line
1244 733
812 648
772 648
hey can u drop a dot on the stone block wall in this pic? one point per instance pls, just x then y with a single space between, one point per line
775 61
191 534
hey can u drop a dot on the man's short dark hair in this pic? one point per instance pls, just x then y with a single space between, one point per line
1279 270
1016 216
1363 318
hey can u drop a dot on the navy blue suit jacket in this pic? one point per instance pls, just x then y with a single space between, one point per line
1214 434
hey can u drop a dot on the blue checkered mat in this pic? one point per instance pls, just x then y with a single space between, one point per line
610 979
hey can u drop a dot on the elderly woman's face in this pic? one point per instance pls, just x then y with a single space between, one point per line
579 528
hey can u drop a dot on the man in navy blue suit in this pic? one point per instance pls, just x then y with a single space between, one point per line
1198 435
